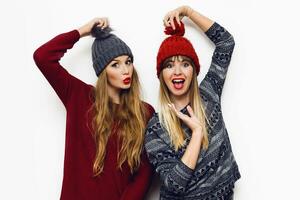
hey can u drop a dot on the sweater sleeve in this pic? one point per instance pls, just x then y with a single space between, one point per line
142 179
47 59
174 174
214 80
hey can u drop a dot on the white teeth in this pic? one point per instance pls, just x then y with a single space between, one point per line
177 81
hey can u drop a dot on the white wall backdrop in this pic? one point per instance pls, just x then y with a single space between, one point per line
260 99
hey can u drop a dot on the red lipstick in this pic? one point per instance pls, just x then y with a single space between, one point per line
178 83
126 81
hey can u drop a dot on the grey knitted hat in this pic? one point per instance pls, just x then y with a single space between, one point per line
106 47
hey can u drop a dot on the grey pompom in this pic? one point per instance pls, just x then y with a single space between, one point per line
100 33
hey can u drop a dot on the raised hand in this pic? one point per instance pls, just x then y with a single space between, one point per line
86 29
177 15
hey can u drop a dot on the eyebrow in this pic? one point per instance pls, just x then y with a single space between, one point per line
128 58
168 61
185 60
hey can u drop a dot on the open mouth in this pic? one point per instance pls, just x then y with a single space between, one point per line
178 83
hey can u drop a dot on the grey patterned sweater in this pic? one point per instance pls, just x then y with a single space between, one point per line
216 170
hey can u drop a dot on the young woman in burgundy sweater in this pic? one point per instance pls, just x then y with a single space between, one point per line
104 156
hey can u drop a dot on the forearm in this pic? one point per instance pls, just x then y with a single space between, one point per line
82 32
174 174
192 151
203 22
214 80
47 59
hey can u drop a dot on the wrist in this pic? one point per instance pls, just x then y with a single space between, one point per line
188 11
82 31
197 132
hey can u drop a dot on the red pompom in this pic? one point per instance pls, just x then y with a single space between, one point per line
178 31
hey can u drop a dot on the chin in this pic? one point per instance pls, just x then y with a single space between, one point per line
124 87
179 92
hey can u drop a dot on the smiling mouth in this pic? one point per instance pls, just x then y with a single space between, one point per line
178 83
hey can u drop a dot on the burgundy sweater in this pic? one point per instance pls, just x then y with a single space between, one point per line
78 180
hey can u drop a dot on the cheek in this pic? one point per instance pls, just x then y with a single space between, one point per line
166 74
131 70
189 73
112 76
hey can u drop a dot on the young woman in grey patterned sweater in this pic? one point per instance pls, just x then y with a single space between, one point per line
187 141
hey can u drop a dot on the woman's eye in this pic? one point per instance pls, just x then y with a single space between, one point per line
115 65
169 65
186 64
128 62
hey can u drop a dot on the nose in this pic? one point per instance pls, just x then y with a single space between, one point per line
177 68
125 69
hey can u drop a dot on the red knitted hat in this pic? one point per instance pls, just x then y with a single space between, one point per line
174 45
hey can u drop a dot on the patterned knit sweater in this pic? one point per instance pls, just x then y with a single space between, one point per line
216 170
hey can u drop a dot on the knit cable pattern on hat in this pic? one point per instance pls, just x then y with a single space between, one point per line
175 45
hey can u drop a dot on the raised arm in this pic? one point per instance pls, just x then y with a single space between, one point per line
214 80
201 21
224 44
48 55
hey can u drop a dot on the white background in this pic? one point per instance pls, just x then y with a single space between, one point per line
260 98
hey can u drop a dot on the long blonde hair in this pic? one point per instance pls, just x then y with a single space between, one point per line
130 116
170 121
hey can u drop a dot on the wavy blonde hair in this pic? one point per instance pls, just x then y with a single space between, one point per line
130 116
169 120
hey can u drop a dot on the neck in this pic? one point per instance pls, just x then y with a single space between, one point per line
114 94
180 101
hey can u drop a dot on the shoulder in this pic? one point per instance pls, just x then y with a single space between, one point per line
153 126
154 121
81 87
156 130
79 90
149 109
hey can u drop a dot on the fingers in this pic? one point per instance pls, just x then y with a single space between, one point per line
176 14
106 23
178 18
190 110
166 20
172 22
191 121
169 19
101 22
179 114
